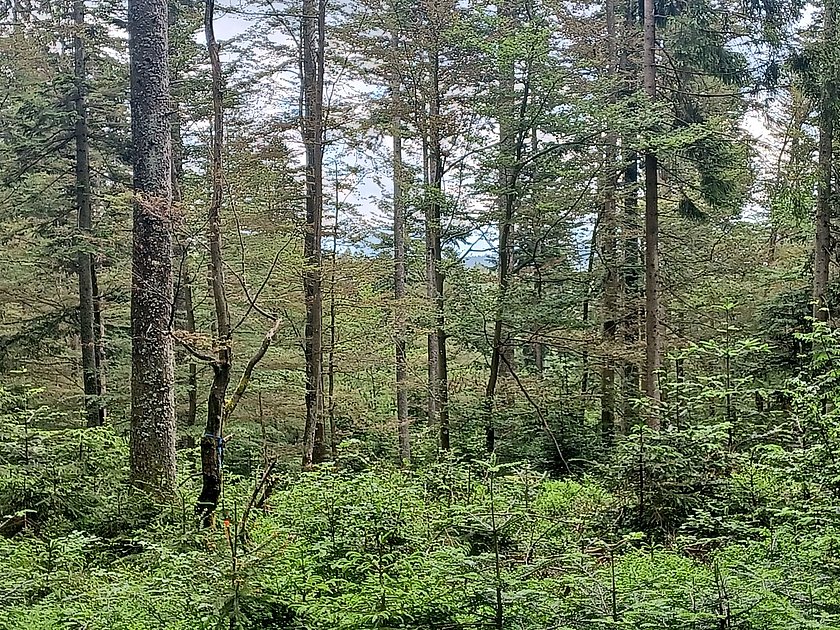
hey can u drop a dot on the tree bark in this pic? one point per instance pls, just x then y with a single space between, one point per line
431 338
333 336
213 441
586 306
825 183
401 363
632 289
539 347
313 45
653 344
94 409
152 455
99 343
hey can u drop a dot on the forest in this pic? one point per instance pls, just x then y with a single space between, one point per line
419 314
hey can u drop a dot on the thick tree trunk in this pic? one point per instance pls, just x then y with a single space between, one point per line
152 357
825 203
213 441
313 45
94 410
401 363
653 344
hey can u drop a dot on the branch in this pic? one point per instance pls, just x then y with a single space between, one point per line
252 302
184 344
536 407
245 379
243 526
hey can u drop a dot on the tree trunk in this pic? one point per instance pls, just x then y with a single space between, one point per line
333 337
184 294
313 44
99 343
401 363
610 259
192 378
434 228
84 259
822 240
632 289
632 263
213 441
152 357
432 400
539 347
653 345
586 307
510 149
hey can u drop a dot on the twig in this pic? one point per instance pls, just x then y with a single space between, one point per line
243 533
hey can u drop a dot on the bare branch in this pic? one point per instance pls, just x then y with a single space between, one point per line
245 379
181 341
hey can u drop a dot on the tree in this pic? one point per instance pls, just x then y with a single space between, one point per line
152 356
512 134
213 440
399 234
182 57
825 183
89 314
609 251
313 44
432 19
653 308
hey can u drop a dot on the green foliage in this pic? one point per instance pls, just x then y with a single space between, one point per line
725 518
385 548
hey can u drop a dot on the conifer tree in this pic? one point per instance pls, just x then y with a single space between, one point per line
152 355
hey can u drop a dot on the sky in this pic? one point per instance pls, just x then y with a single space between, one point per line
365 192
